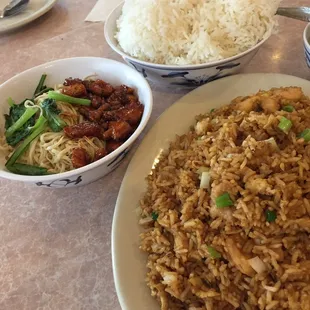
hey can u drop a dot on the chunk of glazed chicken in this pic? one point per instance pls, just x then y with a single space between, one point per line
248 105
238 258
80 158
270 105
75 90
118 130
289 93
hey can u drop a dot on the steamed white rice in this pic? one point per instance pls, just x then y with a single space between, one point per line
179 32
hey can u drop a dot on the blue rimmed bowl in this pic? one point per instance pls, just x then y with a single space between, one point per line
172 75
116 73
307 44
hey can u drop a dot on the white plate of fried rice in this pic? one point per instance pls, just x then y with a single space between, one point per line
214 209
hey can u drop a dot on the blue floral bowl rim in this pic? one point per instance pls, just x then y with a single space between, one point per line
117 49
306 37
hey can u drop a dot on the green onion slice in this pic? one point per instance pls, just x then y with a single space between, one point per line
288 108
154 216
285 124
271 216
223 201
305 135
213 252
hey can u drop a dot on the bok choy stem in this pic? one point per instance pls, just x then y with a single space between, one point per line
43 91
61 97
27 169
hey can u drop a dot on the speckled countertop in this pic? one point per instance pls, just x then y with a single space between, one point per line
55 249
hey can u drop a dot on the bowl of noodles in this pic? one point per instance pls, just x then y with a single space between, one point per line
70 122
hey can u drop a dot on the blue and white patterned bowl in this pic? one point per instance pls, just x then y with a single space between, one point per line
307 44
172 75
116 73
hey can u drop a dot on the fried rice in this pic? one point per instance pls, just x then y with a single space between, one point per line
226 214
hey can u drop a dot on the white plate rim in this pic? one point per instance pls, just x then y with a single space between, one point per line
130 177
29 18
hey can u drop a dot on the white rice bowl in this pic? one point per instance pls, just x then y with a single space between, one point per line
188 32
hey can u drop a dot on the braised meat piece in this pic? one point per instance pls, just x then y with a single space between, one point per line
118 130
100 153
107 89
131 114
132 99
118 98
104 125
126 89
87 83
85 129
121 97
95 89
108 116
71 81
80 158
96 115
100 88
113 145
96 101
113 115
75 90
84 110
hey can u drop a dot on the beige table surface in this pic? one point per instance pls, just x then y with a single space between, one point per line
55 249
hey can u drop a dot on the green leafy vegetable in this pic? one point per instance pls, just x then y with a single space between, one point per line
154 216
64 98
223 201
29 112
305 135
271 216
285 124
212 110
39 127
288 108
51 112
16 111
18 123
27 169
213 252
40 85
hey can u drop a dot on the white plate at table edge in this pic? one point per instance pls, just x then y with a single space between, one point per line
25 17
129 263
